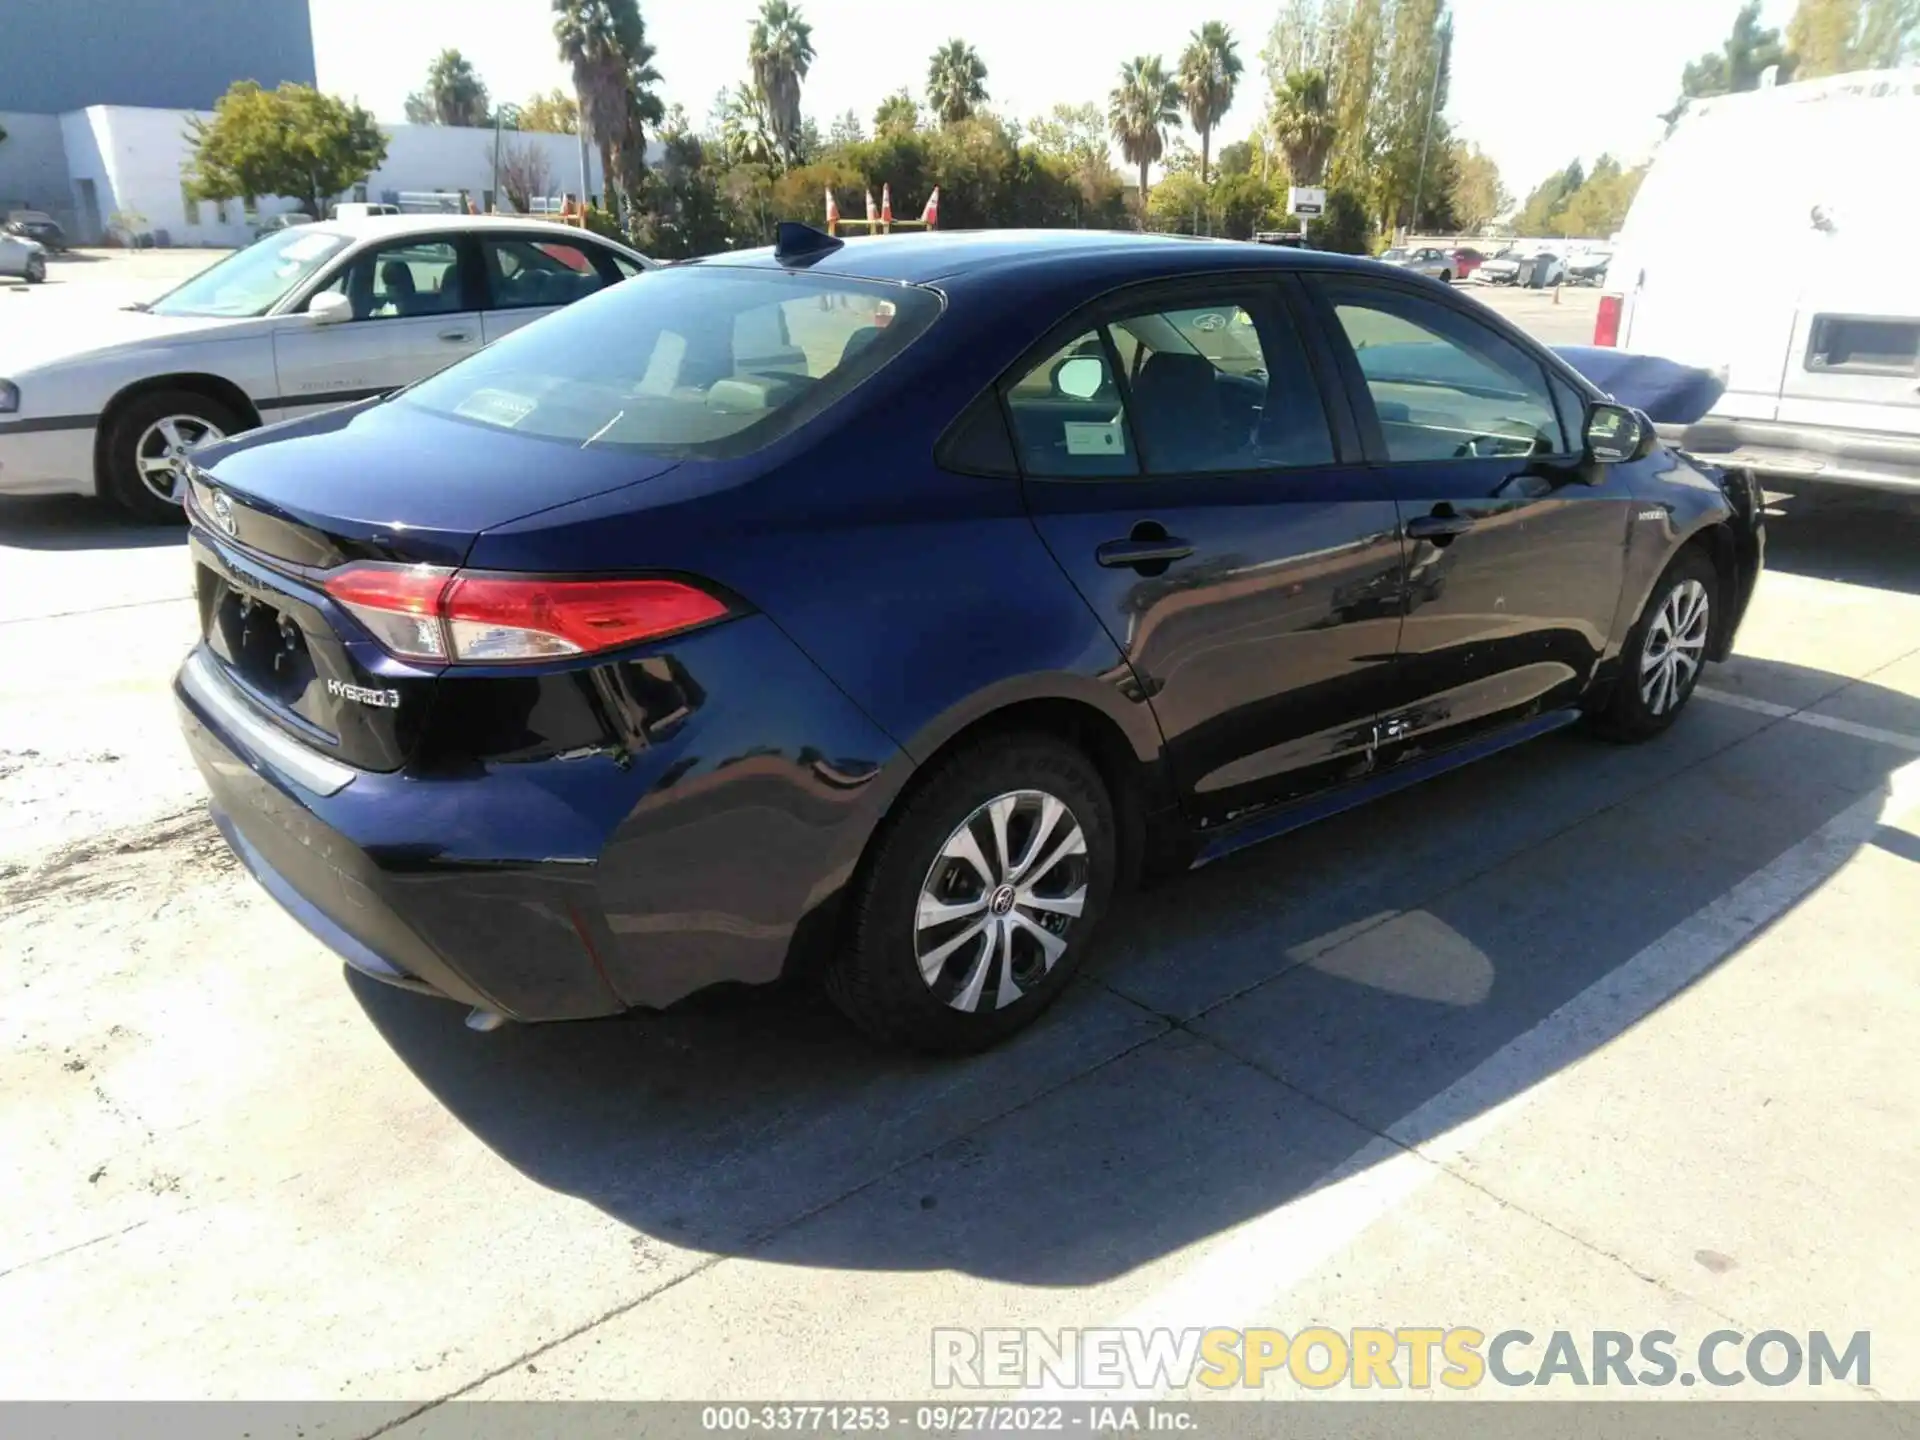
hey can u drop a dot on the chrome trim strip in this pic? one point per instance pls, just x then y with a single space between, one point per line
201 679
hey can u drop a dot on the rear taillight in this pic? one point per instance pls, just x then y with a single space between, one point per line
1606 321
426 612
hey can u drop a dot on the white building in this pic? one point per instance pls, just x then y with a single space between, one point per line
122 167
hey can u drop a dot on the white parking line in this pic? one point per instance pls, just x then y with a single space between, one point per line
1808 717
1236 1278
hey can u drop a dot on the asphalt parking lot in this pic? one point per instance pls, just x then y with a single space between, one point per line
1583 1038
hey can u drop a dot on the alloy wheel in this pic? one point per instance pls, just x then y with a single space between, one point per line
998 903
1676 643
163 445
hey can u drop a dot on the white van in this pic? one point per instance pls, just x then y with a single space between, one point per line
360 210
1772 245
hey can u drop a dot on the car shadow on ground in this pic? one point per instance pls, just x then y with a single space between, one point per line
1242 1034
74 522
1838 532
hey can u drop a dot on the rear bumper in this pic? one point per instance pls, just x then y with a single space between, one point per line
699 850
1873 459
46 462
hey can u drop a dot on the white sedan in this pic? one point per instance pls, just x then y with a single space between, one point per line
303 319
23 257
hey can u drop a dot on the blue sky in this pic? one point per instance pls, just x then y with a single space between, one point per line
1535 82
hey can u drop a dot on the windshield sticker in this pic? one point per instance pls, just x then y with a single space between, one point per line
1084 438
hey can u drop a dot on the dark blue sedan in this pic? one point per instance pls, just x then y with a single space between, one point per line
876 610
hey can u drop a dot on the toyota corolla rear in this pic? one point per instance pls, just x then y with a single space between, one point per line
427 728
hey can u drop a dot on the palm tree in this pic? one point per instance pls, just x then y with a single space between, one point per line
1140 111
745 136
956 81
781 51
456 92
1302 124
1209 74
604 42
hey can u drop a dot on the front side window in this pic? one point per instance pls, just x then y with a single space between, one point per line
1444 386
700 361
252 281
1217 387
405 279
527 274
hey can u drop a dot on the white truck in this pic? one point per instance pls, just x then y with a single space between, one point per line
1772 246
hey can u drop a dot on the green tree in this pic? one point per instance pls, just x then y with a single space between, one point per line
1210 70
897 115
555 113
846 130
780 52
1599 207
1180 204
1737 65
292 141
1074 133
1361 56
1889 35
1404 114
1477 194
1344 227
455 91
1830 37
1143 107
418 109
1540 215
956 82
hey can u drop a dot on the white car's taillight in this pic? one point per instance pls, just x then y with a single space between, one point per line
430 613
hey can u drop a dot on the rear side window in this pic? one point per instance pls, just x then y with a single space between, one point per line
1201 388
696 361
1864 344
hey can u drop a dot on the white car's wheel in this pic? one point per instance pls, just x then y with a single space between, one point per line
36 269
146 442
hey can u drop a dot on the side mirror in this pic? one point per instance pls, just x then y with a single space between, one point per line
329 307
1616 434
1080 377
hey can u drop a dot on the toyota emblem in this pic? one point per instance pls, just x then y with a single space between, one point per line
223 513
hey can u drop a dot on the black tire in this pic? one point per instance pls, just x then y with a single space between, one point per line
1446 277
876 979
36 269
124 433
1629 714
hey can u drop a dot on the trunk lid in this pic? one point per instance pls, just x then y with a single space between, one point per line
276 510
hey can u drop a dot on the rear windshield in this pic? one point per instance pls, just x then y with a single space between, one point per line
698 361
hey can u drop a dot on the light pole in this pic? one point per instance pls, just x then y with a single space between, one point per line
1426 139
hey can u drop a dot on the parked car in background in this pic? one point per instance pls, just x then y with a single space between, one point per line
1438 264
1466 260
274 224
23 257
588 673
307 317
1526 267
37 225
1588 267
360 210
1815 335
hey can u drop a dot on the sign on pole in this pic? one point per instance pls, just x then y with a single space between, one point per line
1306 200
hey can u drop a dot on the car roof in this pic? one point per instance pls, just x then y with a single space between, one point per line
363 226
387 227
918 258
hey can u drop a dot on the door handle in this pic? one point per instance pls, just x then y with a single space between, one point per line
455 336
1119 554
1438 526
